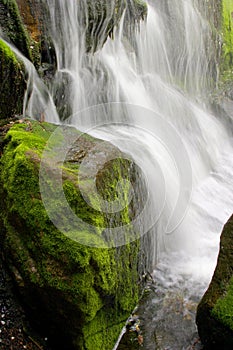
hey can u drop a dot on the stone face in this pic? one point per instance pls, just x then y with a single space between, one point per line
78 295
215 311
34 15
31 14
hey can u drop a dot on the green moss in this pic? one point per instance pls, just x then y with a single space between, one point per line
103 337
81 208
12 83
215 312
83 293
222 293
227 32
223 309
13 27
7 52
226 61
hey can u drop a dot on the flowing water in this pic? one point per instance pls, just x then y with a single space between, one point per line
146 89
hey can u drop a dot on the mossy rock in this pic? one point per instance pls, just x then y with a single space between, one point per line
225 83
215 311
227 35
34 15
31 12
13 85
79 295
13 28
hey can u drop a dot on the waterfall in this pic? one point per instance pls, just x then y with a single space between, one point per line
145 88
152 79
162 66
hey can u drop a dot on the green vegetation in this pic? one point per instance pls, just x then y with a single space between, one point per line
226 60
12 26
223 301
12 83
227 33
83 294
223 309
215 311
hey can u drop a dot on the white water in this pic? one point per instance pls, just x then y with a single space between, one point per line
162 69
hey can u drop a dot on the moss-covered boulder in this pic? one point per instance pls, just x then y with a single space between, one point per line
215 311
13 85
78 295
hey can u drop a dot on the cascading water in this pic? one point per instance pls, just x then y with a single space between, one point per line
160 67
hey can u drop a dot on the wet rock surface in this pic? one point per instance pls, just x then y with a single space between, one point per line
164 320
15 333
